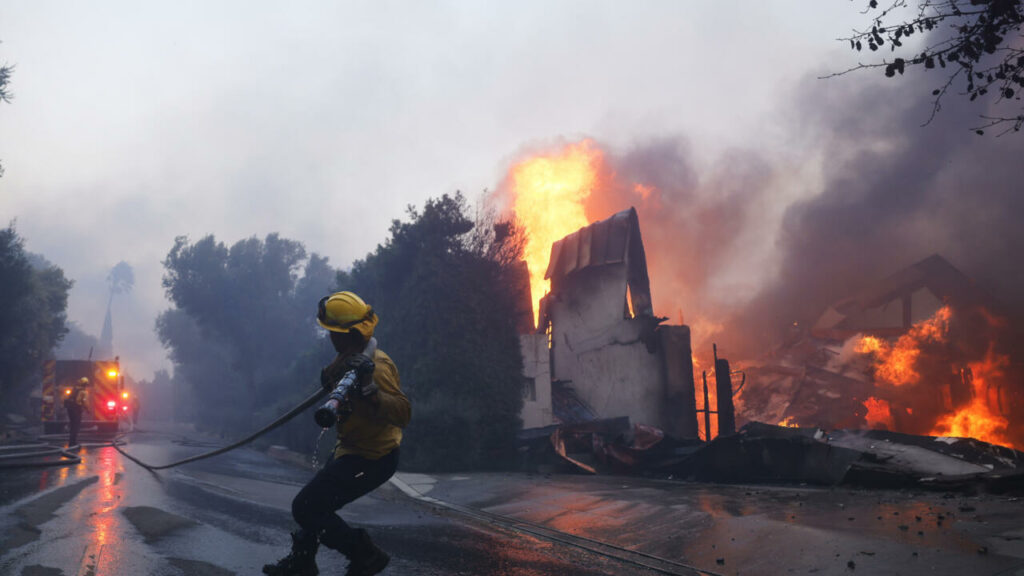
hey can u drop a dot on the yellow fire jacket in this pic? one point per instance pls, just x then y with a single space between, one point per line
78 397
374 429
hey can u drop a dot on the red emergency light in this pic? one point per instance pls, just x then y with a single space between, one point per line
111 405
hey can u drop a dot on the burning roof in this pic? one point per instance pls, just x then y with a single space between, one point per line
919 290
615 240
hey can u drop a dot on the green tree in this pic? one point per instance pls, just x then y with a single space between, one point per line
33 304
156 397
448 317
207 389
244 315
121 280
975 43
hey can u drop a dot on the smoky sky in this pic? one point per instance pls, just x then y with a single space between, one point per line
694 218
135 123
747 242
895 192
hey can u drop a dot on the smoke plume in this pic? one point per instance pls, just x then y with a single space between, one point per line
740 250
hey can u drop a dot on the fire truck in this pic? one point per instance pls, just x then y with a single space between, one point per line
107 400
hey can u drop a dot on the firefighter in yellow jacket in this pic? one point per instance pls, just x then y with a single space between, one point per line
74 404
366 451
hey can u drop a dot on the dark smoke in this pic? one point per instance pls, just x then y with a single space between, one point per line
692 220
894 193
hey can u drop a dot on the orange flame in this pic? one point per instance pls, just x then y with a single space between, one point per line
879 414
789 422
549 192
977 419
896 363
643 191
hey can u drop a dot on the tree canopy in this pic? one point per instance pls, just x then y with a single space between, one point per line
243 317
443 287
975 43
5 96
33 305
5 78
121 278
244 342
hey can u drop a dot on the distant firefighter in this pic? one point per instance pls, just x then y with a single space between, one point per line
134 409
74 404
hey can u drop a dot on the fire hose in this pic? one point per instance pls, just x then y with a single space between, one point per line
15 455
312 399
21 451
326 416
33 451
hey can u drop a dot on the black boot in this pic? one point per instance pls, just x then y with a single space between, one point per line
365 558
301 561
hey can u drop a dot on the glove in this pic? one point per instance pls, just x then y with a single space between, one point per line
364 368
331 374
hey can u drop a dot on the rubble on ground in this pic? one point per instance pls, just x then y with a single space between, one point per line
764 453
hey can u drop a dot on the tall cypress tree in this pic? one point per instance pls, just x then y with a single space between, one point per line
448 318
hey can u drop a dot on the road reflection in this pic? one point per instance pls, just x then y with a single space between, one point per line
719 506
98 513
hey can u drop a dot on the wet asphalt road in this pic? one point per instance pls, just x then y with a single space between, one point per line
230 515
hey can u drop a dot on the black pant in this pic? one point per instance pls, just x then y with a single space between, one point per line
341 481
74 423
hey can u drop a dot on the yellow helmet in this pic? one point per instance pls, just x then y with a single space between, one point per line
345 312
83 381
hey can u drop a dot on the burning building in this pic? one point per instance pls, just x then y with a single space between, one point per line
599 351
924 351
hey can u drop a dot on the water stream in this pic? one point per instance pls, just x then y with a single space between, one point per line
316 449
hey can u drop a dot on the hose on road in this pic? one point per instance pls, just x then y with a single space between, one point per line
313 398
68 458
30 455
34 451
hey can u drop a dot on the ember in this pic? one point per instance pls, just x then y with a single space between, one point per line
879 414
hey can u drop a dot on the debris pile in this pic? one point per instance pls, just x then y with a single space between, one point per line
765 453
923 352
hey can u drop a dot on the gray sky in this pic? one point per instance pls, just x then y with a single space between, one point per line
135 122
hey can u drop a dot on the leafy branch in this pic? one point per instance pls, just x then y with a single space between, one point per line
5 96
978 43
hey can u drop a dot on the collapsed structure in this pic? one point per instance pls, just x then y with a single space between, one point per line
924 351
599 352
892 306
608 385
